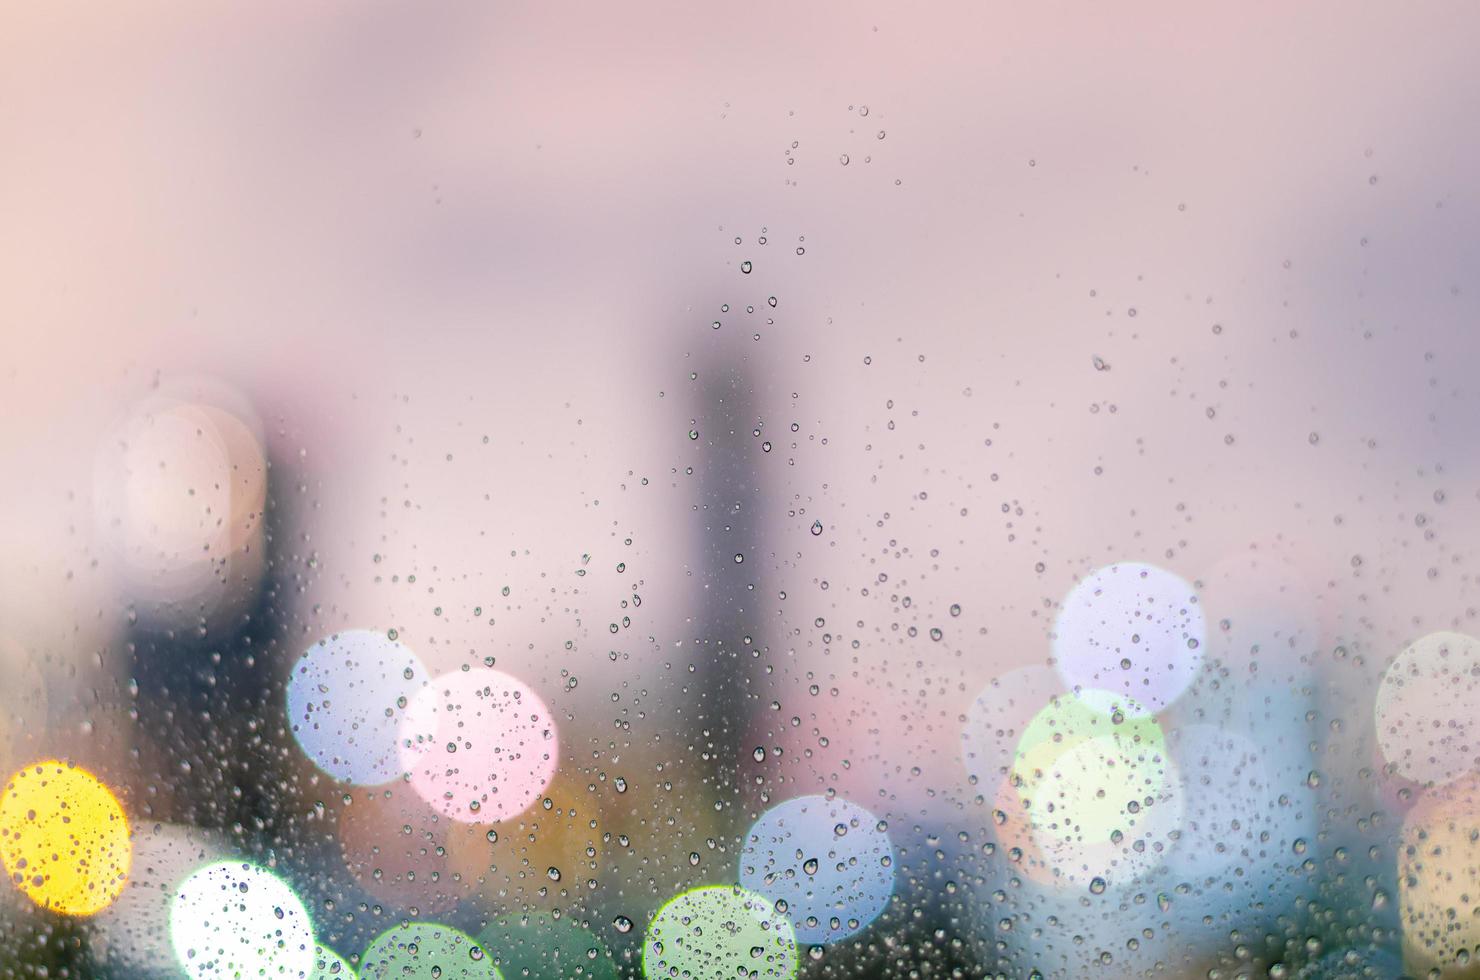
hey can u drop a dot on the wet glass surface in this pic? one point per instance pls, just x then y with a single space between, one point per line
778 491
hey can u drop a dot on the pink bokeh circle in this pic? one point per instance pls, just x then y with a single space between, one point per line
480 746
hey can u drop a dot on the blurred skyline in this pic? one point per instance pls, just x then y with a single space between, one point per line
744 381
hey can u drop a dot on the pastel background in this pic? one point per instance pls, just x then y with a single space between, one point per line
753 383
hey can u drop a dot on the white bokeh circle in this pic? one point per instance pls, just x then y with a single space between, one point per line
1133 629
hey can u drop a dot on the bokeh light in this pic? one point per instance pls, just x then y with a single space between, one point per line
1069 719
540 944
427 951
346 698
480 745
64 838
1244 810
719 932
1099 789
133 934
1101 813
180 488
1427 726
1249 847
1439 880
1131 628
829 860
997 717
231 919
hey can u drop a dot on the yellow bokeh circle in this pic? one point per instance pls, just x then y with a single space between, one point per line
64 839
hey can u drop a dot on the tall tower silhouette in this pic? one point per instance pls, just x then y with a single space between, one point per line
730 566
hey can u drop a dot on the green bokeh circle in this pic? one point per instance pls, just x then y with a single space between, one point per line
719 932
426 951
